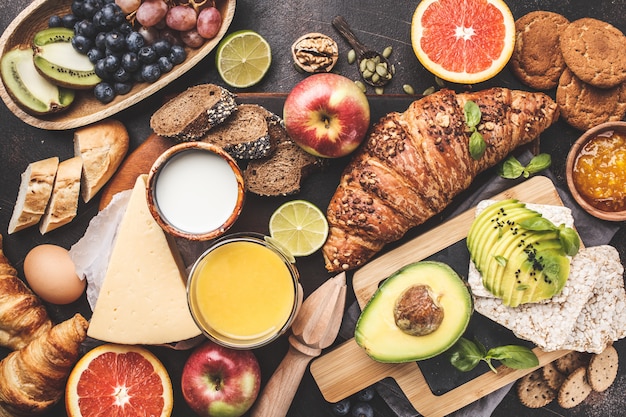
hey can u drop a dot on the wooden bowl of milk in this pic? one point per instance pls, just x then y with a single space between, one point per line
195 191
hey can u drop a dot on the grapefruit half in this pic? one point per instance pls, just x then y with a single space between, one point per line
463 41
119 381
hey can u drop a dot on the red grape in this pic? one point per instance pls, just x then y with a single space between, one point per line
181 18
150 34
128 6
209 22
151 12
192 38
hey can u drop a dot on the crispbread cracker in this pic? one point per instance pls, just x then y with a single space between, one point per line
603 317
554 378
570 362
602 369
533 391
574 389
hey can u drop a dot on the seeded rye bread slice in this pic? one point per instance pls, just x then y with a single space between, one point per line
283 172
189 115
245 135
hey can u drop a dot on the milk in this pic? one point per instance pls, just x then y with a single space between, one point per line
196 191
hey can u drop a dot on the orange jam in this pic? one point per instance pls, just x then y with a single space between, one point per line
600 171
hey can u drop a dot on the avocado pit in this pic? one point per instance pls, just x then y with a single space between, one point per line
417 311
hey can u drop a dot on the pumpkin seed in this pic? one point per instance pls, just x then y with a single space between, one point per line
379 90
429 90
363 65
367 74
375 77
387 51
408 89
361 85
370 65
351 56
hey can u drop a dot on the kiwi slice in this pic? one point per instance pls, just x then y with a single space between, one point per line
28 88
57 60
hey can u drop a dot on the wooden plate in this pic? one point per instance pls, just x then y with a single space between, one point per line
86 109
347 369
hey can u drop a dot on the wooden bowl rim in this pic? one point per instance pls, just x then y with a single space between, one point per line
61 120
614 216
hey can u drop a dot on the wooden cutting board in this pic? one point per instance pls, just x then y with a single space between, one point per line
347 369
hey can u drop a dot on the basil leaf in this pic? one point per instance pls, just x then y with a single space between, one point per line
472 113
538 224
539 163
569 240
477 145
511 168
465 355
514 356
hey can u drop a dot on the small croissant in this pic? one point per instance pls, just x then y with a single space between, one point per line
33 378
23 316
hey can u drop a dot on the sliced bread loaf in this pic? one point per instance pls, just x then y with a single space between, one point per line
65 193
34 194
189 115
284 170
102 147
245 135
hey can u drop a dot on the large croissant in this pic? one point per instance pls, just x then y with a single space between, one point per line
22 315
33 378
412 164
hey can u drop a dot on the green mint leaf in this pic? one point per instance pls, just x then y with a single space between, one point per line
539 163
472 114
538 224
514 356
477 145
569 240
501 260
465 355
511 168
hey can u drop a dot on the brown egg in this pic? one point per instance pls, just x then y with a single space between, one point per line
51 274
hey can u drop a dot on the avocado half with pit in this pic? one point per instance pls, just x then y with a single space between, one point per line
417 313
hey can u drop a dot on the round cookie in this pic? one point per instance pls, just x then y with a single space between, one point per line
594 51
584 106
602 369
553 376
533 391
537 60
574 389
571 361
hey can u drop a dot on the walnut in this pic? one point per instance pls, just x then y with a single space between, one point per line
417 311
315 52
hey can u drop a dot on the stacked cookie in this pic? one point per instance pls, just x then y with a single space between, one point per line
583 59
569 379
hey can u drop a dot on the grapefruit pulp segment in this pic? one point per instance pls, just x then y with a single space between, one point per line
463 41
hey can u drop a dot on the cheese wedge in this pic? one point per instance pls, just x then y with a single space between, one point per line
143 297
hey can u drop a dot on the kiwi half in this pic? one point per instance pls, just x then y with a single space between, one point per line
28 88
57 60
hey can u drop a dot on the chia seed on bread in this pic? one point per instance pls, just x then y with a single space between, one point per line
192 113
245 135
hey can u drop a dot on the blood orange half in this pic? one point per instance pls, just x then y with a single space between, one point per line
119 381
463 41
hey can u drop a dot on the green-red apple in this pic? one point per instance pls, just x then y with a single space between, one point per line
220 382
327 115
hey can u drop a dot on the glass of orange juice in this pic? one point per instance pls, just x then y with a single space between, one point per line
243 292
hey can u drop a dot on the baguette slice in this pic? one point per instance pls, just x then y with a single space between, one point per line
65 194
102 147
245 135
191 114
34 194
281 173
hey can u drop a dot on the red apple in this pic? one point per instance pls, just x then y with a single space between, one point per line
220 382
327 115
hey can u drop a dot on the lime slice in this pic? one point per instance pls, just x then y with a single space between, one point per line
243 58
299 226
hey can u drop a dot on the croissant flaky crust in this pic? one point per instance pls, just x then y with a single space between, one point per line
33 378
412 165
23 316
